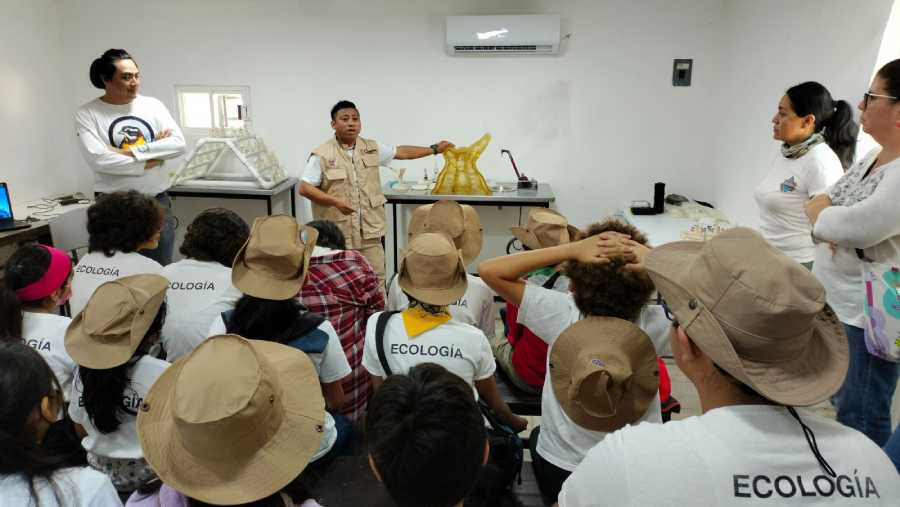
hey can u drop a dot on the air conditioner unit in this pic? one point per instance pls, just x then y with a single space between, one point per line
538 34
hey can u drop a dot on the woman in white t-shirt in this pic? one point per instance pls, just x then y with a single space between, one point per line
119 225
859 218
270 270
818 138
200 287
111 340
30 472
36 282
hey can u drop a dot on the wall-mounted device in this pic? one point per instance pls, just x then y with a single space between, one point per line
681 71
503 35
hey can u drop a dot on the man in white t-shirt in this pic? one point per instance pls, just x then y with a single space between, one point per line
752 332
599 288
460 222
119 225
200 287
342 180
126 137
433 275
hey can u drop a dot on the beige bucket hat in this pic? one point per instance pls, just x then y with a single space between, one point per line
604 373
756 313
545 228
234 421
432 270
274 261
458 221
112 325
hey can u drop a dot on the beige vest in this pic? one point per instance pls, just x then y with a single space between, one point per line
358 181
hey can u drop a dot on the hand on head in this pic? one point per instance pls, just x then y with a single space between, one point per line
604 247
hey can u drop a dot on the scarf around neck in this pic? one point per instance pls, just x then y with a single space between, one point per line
800 149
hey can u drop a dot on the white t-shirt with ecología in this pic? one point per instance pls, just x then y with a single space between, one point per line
331 364
101 126
737 455
460 348
46 333
312 173
124 442
198 293
547 313
95 269
781 196
475 308
75 487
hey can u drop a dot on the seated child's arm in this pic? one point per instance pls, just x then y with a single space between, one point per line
376 381
504 274
487 390
334 395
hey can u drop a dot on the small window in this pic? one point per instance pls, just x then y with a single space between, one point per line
205 107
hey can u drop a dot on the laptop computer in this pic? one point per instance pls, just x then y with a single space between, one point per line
7 221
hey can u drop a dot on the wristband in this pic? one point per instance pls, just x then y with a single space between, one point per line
434 149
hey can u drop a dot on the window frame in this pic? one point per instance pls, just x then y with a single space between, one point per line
211 90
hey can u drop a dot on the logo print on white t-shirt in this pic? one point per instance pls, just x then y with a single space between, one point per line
128 131
789 185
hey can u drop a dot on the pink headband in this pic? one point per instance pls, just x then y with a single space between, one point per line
54 278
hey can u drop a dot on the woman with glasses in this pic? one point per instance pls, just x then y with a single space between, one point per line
859 218
818 137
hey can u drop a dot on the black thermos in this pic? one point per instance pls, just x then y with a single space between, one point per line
659 197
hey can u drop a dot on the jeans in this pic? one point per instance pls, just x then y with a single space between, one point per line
892 448
550 477
163 252
864 401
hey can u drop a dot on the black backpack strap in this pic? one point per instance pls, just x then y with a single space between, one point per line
379 340
552 280
226 318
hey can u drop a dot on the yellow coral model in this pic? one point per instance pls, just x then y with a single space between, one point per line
460 176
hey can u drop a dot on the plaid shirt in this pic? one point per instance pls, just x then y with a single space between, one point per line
343 287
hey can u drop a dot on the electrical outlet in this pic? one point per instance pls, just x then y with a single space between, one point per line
681 71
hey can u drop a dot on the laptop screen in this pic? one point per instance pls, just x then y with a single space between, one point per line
5 206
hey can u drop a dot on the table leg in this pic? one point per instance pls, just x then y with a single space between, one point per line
293 202
269 205
394 212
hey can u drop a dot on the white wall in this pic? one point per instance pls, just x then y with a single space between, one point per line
36 120
600 122
771 46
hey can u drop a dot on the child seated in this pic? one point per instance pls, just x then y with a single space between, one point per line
36 282
521 354
433 275
235 422
30 473
120 225
427 440
602 286
460 223
344 288
110 340
270 269
200 286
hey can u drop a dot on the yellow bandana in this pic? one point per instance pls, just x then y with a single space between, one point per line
417 321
